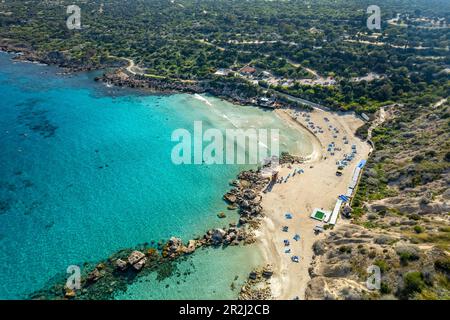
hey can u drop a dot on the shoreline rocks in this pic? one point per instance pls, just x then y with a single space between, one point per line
221 215
257 286
245 195
26 53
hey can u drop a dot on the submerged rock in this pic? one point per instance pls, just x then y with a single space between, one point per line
221 215
230 198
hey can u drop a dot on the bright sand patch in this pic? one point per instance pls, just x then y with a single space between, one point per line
317 187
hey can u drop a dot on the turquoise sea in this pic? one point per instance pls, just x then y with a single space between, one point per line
86 170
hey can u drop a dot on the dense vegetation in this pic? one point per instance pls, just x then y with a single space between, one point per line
411 152
191 39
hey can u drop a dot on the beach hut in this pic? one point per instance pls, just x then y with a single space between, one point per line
320 215
347 211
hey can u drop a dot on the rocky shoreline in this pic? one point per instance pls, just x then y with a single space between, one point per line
234 90
257 287
115 273
111 275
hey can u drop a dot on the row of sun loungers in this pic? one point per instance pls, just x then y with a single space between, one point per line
292 174
286 242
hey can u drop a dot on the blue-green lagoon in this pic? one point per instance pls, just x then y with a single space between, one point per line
86 170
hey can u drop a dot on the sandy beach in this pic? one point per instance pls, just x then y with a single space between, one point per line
318 187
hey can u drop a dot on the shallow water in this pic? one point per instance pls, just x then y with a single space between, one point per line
86 170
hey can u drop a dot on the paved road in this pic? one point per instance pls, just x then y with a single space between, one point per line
303 101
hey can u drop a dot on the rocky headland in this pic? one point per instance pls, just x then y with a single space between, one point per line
26 53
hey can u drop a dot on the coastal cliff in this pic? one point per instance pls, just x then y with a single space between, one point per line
400 215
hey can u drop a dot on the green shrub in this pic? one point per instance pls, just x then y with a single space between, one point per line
418 158
443 265
418 229
345 249
384 288
405 257
382 265
413 283
414 216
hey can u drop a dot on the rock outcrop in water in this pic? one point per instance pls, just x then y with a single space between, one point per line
58 58
115 273
246 195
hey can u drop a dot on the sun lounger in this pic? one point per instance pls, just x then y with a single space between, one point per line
288 216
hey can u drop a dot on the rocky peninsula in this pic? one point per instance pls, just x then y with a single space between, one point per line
107 277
